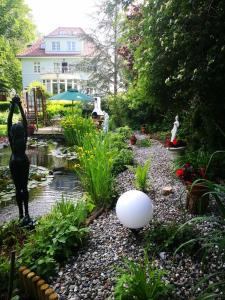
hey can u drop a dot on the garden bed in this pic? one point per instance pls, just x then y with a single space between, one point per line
92 273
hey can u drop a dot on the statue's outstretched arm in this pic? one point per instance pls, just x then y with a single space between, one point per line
24 120
9 120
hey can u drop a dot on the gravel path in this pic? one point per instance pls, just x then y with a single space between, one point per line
91 273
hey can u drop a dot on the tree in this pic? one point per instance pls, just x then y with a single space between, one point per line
10 67
107 75
15 23
178 65
16 30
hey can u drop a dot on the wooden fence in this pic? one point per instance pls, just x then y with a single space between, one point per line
34 287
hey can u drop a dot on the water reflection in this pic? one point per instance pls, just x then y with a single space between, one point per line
42 198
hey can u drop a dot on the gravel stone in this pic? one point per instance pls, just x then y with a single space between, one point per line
93 270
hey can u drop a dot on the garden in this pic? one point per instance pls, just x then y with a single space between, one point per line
84 252
134 209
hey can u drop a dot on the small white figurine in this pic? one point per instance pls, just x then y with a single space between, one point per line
174 130
105 122
97 109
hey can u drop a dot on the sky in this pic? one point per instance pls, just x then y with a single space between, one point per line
50 14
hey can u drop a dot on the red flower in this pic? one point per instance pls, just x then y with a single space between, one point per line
174 142
180 173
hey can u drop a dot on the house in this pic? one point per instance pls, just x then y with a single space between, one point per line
60 60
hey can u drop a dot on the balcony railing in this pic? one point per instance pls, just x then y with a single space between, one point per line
68 70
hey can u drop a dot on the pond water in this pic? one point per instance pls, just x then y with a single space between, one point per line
42 198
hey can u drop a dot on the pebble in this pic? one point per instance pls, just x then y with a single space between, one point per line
94 269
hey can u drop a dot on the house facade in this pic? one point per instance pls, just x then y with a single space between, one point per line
61 61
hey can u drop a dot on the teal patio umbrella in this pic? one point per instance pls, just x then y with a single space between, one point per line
72 95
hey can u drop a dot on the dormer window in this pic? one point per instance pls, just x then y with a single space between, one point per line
55 46
42 46
71 46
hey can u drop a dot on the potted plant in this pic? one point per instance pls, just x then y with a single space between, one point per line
197 198
143 129
30 129
133 139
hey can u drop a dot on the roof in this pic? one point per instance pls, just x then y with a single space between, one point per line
35 50
61 31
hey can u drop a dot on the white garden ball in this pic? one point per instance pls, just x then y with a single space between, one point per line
134 209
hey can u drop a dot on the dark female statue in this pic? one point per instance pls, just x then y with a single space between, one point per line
19 163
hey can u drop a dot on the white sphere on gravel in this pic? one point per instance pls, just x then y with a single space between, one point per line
134 209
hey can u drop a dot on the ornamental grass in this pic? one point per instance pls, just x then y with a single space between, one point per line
75 129
95 167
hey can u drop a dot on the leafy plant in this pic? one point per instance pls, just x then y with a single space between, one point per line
62 110
56 237
124 131
207 242
142 282
4 106
122 159
118 140
217 191
197 159
166 237
143 143
141 175
4 273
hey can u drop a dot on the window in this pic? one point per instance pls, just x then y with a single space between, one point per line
55 46
37 67
71 46
56 67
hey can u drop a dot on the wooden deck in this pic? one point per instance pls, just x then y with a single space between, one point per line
51 132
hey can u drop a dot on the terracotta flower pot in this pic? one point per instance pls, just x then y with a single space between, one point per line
143 129
133 140
196 203
30 130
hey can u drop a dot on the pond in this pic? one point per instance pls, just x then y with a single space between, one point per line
64 183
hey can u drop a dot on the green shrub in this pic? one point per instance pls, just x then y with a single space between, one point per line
196 158
3 130
4 105
4 117
123 158
62 109
142 282
117 141
124 131
143 143
141 175
12 237
56 237
4 273
168 237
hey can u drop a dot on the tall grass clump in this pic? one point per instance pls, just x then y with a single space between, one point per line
76 128
141 175
95 167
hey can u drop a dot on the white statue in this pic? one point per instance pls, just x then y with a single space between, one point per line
174 130
97 109
105 122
